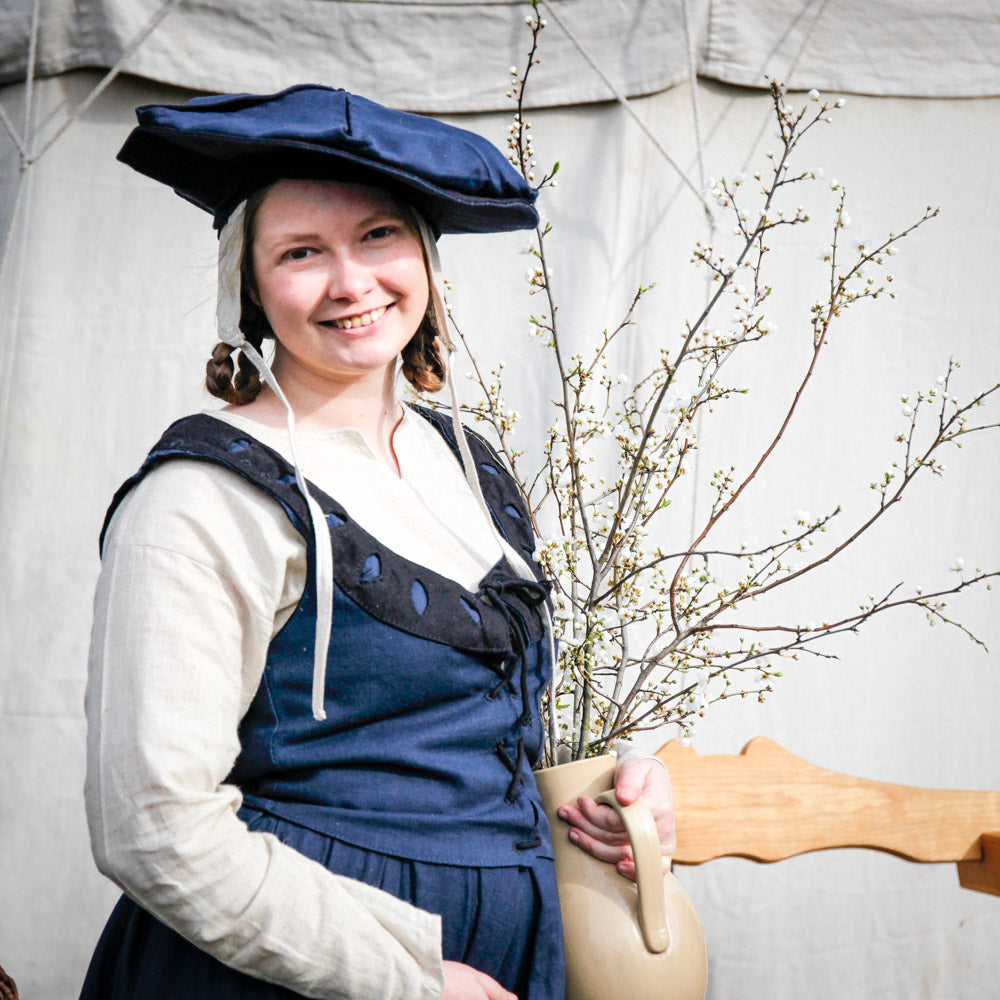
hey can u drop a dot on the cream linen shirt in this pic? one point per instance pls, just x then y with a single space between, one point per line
198 574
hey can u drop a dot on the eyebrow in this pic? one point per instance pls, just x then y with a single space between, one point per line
308 237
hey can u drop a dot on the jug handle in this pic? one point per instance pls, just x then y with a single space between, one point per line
645 840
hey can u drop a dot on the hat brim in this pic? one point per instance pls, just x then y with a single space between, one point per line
217 172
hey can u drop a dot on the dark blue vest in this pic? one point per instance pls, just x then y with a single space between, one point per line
432 691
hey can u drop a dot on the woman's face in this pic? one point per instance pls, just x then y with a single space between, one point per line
340 276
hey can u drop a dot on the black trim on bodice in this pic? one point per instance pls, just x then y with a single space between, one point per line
386 585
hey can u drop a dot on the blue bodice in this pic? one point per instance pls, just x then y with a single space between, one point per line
432 691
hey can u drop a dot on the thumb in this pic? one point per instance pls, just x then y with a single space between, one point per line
629 781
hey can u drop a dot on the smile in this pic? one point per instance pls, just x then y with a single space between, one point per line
364 319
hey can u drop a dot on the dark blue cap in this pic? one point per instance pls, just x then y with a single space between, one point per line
214 151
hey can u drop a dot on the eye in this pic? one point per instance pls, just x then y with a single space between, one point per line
298 253
381 232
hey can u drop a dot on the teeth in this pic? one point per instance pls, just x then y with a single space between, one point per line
365 319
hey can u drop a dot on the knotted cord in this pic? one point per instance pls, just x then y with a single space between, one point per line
529 592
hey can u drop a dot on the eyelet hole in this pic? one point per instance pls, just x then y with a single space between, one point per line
372 569
418 594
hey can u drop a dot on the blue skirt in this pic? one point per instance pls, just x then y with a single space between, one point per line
502 921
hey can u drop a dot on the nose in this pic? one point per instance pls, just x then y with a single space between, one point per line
350 278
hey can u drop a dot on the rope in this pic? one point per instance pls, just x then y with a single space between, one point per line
14 215
8 125
29 81
791 69
711 220
693 83
28 156
151 25
624 102
695 109
17 229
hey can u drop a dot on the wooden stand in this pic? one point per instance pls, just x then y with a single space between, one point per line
767 804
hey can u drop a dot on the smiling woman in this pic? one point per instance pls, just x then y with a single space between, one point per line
345 296
320 643
337 275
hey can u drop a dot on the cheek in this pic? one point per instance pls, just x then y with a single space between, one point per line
288 294
413 277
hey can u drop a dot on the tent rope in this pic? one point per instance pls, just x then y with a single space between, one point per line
27 157
710 220
29 81
151 25
14 134
17 226
823 4
695 109
624 102
15 213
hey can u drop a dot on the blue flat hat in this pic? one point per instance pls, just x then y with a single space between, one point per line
214 151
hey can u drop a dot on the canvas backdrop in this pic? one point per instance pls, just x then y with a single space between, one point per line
107 301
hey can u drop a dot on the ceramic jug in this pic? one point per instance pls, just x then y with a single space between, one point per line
624 940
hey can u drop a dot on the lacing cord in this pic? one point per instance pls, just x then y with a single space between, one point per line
529 592
514 765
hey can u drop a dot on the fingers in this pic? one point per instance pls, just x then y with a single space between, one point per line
598 820
626 868
598 829
494 991
611 853
462 982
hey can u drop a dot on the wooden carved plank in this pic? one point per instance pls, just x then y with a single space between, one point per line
767 804
984 874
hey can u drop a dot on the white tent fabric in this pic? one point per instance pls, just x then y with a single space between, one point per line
438 56
107 299
452 55
904 48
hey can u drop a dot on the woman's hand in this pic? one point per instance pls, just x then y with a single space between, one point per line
598 830
462 982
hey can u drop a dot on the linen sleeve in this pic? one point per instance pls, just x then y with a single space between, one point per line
197 569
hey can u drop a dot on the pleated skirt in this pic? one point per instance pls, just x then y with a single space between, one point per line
502 921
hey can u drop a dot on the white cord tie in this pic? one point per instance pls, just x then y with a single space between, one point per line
227 314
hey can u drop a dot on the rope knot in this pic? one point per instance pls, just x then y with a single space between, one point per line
501 593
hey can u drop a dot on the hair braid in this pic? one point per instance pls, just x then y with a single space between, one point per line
423 366
241 384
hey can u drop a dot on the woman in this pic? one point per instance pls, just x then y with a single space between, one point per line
313 777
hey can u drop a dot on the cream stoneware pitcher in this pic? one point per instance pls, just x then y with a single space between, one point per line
624 941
